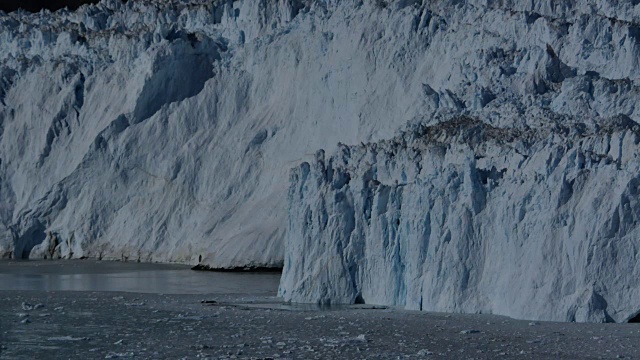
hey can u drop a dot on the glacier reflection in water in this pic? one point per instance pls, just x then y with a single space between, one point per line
87 275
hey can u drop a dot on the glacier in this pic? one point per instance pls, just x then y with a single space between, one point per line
537 223
165 131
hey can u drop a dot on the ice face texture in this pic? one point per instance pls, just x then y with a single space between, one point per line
465 217
165 131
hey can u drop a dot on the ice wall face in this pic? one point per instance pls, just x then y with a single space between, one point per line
165 130
539 223
126 133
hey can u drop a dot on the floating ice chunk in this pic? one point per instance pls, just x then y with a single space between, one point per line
115 355
67 338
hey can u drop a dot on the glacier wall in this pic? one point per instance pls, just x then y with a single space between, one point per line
536 223
165 130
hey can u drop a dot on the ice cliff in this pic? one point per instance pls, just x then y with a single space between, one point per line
537 223
512 191
165 130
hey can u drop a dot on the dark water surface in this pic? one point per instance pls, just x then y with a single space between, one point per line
90 275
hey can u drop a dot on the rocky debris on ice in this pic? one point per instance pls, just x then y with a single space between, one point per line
464 216
165 130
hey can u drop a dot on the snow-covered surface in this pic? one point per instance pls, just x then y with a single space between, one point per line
165 130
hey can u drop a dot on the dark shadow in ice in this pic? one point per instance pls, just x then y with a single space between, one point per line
34 236
635 319
175 79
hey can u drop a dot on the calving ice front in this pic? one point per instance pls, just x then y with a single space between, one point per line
537 223
166 131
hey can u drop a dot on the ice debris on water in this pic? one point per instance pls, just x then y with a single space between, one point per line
116 355
138 303
424 352
28 307
360 338
67 338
